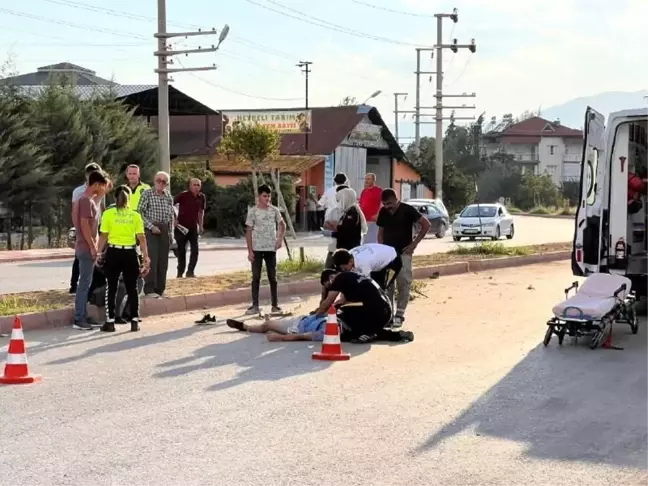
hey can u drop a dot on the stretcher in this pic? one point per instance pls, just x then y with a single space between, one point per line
601 301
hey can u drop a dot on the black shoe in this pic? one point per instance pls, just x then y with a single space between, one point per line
72 290
364 339
135 325
121 320
406 336
234 324
207 318
82 326
108 327
178 275
190 275
93 322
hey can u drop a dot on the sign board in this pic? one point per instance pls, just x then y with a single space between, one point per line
366 135
286 121
329 169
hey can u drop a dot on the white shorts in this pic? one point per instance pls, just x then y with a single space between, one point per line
290 325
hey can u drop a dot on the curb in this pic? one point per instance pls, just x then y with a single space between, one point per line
547 216
187 303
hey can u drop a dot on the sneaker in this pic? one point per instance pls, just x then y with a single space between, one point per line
108 327
72 290
152 295
252 310
234 324
135 325
121 320
93 322
81 326
190 275
397 322
406 336
276 309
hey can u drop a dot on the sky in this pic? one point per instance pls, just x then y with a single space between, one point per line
530 53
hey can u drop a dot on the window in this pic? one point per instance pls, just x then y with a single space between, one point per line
552 149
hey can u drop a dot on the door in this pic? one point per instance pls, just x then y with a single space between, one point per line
587 247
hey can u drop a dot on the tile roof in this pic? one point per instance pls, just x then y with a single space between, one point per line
537 127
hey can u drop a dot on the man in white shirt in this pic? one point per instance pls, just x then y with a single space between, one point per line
372 260
332 213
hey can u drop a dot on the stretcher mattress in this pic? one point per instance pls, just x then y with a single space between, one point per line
595 297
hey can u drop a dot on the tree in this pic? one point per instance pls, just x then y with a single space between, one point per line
348 101
258 145
526 114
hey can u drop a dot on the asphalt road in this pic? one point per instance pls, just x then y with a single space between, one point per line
475 399
55 274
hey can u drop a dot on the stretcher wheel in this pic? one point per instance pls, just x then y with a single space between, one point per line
548 335
633 320
596 339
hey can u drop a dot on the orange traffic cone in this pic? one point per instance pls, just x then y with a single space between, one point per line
16 370
331 346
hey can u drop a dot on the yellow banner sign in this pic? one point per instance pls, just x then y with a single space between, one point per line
293 121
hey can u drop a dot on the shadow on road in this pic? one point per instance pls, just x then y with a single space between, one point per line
568 403
61 263
258 359
131 342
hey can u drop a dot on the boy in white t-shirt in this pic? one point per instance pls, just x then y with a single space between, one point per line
373 260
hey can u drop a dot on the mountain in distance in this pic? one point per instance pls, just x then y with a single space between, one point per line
572 113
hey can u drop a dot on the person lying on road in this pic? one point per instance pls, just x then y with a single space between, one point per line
371 260
364 307
299 328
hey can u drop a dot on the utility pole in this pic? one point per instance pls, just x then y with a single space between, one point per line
454 16
417 108
305 68
163 53
396 113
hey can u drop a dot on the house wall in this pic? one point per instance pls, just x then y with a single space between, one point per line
228 179
380 165
551 151
404 174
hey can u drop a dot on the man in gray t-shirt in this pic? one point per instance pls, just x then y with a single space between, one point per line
264 234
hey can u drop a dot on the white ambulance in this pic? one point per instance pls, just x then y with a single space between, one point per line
608 237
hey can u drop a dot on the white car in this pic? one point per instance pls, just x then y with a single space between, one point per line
483 221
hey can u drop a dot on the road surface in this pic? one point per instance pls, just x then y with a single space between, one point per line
55 274
475 399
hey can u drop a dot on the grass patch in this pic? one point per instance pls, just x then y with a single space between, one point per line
545 211
26 302
542 210
488 248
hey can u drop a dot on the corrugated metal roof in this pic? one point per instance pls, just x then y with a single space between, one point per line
87 92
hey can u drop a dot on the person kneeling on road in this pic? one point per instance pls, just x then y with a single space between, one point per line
379 262
364 308
121 228
299 328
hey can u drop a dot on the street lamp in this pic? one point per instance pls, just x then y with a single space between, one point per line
223 35
373 95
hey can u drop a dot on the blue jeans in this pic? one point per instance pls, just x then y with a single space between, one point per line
86 269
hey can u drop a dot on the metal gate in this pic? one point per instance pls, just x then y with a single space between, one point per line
353 162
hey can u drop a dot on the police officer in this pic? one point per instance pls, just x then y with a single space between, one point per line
135 185
121 229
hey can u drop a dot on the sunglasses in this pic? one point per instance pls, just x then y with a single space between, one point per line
162 181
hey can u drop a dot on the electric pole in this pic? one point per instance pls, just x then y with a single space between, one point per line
454 16
163 71
305 68
417 101
396 113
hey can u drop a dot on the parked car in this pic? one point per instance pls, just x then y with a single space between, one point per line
436 214
483 220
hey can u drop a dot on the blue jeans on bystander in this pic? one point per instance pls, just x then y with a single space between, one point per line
86 268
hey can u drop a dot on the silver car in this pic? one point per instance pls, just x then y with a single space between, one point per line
483 221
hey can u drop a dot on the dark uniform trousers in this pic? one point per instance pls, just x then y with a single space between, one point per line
158 252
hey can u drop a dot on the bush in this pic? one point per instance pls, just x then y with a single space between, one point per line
227 206
490 249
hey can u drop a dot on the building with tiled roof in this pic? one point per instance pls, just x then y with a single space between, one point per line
540 146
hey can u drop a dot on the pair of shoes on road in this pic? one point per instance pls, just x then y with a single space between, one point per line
207 318
110 326
254 309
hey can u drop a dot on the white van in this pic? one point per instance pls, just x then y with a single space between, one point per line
606 238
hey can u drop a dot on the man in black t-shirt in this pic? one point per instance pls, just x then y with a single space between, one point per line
364 308
396 222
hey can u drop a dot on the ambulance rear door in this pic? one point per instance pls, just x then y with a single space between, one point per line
588 235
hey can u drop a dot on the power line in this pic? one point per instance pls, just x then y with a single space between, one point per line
72 24
385 9
463 71
325 24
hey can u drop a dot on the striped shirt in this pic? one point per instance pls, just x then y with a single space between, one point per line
156 208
